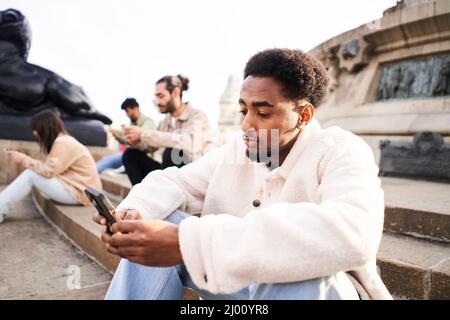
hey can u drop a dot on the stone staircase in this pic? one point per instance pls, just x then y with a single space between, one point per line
414 255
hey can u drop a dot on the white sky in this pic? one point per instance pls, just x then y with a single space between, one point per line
116 49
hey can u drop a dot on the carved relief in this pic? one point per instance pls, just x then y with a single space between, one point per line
331 62
354 55
426 77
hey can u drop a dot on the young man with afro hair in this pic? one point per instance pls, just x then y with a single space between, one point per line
287 211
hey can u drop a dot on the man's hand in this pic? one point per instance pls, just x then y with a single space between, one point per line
133 134
147 242
116 133
17 157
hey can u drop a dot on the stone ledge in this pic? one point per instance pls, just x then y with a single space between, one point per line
417 208
118 185
414 269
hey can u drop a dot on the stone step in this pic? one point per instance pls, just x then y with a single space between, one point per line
414 268
75 223
116 184
416 208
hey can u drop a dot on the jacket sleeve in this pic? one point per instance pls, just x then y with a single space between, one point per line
164 191
148 124
57 161
288 242
189 138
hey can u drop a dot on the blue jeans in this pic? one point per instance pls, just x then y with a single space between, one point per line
113 161
137 282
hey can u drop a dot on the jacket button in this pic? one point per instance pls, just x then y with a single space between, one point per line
256 203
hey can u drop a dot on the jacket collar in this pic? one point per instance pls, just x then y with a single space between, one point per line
306 135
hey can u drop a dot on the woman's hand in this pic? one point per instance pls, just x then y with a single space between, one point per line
17 157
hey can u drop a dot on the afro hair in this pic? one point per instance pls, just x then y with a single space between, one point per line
300 74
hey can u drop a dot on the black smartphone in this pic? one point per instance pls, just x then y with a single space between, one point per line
103 206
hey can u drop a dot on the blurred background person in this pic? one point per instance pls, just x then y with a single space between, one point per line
182 136
64 174
138 119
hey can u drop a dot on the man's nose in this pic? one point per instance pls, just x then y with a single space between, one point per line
247 123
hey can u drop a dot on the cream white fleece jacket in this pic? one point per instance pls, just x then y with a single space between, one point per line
321 212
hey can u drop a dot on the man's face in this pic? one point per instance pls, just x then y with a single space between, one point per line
163 99
132 113
268 119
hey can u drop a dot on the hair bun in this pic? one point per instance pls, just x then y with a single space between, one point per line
184 82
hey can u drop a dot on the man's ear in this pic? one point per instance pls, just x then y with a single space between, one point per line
306 113
176 92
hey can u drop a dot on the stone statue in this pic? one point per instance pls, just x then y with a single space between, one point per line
426 157
350 49
27 88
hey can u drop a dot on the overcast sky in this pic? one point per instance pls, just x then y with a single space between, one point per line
116 49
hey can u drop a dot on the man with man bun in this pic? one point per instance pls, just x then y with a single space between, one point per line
181 137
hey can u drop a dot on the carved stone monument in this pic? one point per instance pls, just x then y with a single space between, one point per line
26 89
426 157
390 78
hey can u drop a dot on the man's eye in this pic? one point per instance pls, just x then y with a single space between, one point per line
243 112
264 114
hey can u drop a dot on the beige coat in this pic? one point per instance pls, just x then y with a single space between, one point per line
72 164
191 134
321 212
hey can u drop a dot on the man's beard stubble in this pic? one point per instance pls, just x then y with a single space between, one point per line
170 106
260 152
259 156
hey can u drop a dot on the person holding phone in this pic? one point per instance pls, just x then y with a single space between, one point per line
290 210
64 174
132 110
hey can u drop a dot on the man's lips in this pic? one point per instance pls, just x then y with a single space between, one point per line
250 142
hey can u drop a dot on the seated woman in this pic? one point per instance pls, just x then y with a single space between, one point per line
68 168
